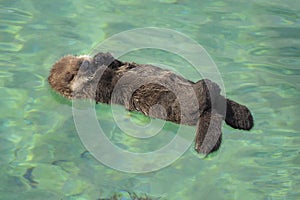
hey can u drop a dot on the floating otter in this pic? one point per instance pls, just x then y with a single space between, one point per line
152 91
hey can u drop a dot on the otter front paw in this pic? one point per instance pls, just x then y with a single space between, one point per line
106 59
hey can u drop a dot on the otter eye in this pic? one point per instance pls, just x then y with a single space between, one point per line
69 77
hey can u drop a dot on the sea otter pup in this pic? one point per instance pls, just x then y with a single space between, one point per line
152 91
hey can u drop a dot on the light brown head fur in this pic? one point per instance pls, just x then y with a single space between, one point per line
63 74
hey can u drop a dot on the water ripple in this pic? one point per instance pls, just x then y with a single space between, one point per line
14 16
256 46
12 21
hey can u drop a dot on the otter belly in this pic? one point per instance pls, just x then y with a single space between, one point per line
157 93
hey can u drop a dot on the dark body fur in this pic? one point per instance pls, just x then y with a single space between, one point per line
153 91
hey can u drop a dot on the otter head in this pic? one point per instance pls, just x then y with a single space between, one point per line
71 76
78 76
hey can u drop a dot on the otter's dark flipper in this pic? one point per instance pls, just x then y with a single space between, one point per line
209 135
238 116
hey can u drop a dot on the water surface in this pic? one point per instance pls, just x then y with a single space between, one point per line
256 46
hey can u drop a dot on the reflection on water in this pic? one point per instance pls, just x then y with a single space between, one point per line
256 46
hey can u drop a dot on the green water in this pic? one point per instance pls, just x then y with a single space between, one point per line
256 46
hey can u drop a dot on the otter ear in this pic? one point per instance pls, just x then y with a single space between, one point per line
238 116
209 136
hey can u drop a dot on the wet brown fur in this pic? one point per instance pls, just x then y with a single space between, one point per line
140 87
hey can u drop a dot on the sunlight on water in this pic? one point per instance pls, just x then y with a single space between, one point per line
256 46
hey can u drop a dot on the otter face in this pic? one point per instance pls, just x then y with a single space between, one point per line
78 76
64 77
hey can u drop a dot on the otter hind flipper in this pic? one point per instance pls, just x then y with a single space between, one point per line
209 134
238 116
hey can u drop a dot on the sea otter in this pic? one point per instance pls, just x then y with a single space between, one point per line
152 91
